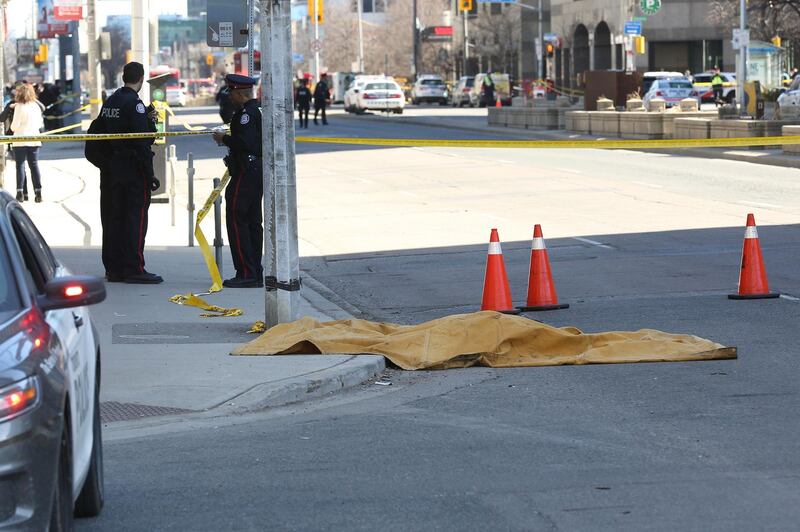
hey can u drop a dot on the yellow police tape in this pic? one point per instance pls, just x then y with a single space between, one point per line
194 300
65 115
599 144
62 129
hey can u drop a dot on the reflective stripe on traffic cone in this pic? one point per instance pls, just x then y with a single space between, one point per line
753 275
541 289
496 292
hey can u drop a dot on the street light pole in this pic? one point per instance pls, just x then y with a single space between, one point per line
3 4
541 41
741 74
316 39
414 24
140 41
93 59
360 36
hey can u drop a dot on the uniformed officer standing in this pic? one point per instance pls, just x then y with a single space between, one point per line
302 100
130 178
244 193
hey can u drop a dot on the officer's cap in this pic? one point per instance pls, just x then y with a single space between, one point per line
237 81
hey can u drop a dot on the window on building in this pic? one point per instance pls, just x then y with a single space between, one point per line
495 9
369 6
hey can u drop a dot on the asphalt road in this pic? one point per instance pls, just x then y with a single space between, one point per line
637 240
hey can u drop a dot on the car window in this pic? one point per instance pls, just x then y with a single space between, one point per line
39 251
702 78
10 302
381 86
470 83
431 82
679 84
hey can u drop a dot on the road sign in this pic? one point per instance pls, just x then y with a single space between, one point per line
639 19
226 23
551 37
316 45
633 28
741 38
438 34
297 58
650 7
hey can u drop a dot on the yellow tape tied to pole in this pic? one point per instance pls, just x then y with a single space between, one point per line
194 300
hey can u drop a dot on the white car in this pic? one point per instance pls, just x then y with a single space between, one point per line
356 85
51 454
385 95
672 91
429 89
789 101
702 84
176 96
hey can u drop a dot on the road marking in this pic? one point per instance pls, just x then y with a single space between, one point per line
592 242
154 336
651 185
790 298
759 204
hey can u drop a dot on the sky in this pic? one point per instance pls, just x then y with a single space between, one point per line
20 11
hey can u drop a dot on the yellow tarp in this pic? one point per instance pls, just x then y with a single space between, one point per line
483 338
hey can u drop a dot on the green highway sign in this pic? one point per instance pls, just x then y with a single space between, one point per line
650 7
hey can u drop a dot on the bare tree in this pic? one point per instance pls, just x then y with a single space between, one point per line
766 18
496 38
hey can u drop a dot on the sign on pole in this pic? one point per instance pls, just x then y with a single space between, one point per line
226 23
633 28
47 27
650 7
551 37
68 9
741 38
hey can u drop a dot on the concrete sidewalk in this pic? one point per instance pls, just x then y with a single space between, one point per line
160 358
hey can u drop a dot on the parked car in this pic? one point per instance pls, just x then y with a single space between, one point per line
429 89
702 84
176 95
383 95
356 86
789 100
649 77
461 91
51 457
502 90
671 90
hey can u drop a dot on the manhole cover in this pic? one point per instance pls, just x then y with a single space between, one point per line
111 411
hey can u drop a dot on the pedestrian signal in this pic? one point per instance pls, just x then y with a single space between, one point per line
40 56
549 49
465 5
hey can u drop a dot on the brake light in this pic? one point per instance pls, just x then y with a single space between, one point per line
659 93
73 291
395 95
368 96
465 89
18 397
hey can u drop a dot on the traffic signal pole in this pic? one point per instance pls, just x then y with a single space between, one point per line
93 59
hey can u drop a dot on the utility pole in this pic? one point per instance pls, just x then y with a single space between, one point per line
140 41
466 41
741 74
251 23
360 35
3 4
316 38
281 259
414 28
541 41
93 59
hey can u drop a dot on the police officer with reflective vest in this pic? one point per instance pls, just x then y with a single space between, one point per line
246 188
129 178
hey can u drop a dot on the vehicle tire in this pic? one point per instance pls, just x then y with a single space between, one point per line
91 499
61 511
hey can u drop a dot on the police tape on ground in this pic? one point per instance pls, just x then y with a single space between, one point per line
438 143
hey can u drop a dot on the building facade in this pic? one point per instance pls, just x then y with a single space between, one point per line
679 37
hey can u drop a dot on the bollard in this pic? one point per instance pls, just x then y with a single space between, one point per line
218 228
190 200
172 158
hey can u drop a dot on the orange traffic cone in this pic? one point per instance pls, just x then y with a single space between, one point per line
496 292
753 277
541 290
498 103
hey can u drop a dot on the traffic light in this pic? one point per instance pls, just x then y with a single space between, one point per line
209 60
549 49
41 54
639 44
465 5
776 41
316 8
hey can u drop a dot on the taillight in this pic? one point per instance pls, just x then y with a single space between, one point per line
368 96
18 397
396 95
659 93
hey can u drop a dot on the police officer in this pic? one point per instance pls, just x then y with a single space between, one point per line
302 100
129 179
321 96
245 190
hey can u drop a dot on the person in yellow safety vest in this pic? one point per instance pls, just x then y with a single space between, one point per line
716 86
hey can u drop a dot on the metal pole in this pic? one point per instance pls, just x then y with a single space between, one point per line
360 36
172 158
3 4
251 59
316 37
466 41
414 34
218 228
140 41
541 41
93 59
190 200
281 259
741 74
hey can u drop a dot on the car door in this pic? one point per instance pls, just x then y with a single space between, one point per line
74 331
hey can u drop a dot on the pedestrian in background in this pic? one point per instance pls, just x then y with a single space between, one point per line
321 97
245 190
716 87
302 102
131 176
488 90
27 121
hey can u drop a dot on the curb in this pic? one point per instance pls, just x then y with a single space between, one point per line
351 372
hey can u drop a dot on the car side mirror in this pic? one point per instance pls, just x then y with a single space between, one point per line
72 291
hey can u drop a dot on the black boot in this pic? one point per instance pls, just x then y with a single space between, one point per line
143 278
19 195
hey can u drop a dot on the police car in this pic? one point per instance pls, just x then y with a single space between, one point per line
51 458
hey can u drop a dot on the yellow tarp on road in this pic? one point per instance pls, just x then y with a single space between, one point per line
483 338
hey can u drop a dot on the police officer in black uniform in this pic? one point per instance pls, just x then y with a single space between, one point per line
302 100
246 188
130 179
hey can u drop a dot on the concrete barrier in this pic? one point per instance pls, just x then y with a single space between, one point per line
605 123
578 121
692 128
641 125
790 131
728 129
669 118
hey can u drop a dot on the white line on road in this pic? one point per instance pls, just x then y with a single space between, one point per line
759 204
592 242
790 298
568 171
651 185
